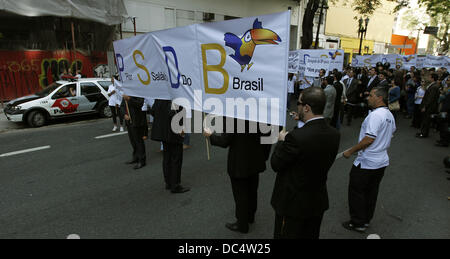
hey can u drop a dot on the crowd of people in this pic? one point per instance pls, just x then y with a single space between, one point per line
303 156
422 96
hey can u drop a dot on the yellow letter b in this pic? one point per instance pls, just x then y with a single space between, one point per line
215 68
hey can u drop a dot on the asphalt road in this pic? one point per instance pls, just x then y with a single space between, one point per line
80 185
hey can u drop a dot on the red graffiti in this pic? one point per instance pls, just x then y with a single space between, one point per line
26 72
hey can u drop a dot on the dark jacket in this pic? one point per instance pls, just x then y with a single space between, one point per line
372 84
430 100
353 91
302 162
138 118
161 129
246 155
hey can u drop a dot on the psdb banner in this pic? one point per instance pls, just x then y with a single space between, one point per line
213 67
404 61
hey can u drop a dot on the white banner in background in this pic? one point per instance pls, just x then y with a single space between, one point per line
231 61
405 61
312 60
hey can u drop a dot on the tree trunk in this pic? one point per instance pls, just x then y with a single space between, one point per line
308 23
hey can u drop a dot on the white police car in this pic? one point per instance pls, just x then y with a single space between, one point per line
61 99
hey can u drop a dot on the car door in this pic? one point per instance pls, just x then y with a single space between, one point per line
91 96
65 101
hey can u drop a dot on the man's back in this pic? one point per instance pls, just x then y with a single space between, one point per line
302 162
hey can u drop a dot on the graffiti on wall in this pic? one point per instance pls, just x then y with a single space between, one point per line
26 72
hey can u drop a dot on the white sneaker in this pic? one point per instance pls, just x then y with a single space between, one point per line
121 129
115 128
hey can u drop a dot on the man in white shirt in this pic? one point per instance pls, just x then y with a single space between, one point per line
368 168
115 99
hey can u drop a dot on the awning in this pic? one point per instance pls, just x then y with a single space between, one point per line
109 12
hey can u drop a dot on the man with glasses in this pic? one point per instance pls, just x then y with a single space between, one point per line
302 159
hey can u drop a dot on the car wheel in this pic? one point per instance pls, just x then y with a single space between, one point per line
105 111
36 119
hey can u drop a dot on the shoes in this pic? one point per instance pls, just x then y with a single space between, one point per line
180 189
168 187
115 128
420 135
139 165
235 227
186 146
121 129
350 226
131 162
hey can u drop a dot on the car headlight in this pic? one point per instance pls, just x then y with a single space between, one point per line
16 108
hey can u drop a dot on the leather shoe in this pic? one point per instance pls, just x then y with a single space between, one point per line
168 187
131 162
139 166
235 227
180 189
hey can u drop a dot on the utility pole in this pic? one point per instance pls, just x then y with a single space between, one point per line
362 31
323 6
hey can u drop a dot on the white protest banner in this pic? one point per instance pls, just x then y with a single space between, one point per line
293 61
420 62
409 61
246 61
242 60
437 61
314 60
366 60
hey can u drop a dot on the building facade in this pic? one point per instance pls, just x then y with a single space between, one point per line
342 21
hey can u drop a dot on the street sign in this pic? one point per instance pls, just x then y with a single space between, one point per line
431 30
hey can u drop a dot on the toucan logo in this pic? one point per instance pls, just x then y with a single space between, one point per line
245 46
407 59
334 55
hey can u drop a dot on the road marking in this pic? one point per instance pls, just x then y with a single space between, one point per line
112 135
24 151
73 236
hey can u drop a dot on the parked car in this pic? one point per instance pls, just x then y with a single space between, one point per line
61 99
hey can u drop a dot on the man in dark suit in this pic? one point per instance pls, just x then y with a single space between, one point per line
353 93
172 144
302 160
383 80
337 102
430 105
136 122
246 159
373 82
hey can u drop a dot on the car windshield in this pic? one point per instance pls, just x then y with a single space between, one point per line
46 91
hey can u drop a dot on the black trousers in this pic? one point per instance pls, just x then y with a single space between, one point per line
172 163
115 111
417 118
351 112
363 193
294 228
245 193
426 123
135 135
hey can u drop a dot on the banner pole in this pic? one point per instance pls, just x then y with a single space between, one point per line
207 141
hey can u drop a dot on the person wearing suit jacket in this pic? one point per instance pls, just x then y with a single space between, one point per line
163 112
246 160
373 82
301 160
330 94
429 106
383 80
352 92
136 122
